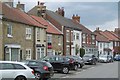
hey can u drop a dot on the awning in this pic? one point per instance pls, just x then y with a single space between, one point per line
13 45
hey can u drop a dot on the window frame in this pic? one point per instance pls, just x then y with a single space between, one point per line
9 30
28 33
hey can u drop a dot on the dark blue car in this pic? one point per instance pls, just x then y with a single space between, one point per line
117 58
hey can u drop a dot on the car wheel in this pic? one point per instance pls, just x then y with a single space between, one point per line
20 78
65 70
37 75
79 66
75 67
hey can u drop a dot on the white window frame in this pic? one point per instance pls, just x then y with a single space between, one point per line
77 36
28 54
28 33
49 38
84 38
9 27
67 36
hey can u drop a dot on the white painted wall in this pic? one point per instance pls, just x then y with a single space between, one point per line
102 45
76 41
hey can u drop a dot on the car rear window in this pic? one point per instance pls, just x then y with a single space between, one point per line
47 64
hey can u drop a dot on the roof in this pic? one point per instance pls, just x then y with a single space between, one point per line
67 22
50 28
100 37
62 20
109 35
18 16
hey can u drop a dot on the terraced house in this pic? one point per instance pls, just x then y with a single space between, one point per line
75 35
110 44
54 37
18 34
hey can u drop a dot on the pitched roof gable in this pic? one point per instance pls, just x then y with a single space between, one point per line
18 16
100 37
50 28
108 35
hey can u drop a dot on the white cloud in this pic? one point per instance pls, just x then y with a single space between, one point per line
111 25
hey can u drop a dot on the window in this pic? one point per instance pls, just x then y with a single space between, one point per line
72 36
28 54
67 36
9 30
38 34
28 33
84 38
33 63
49 38
42 52
77 36
93 39
18 66
59 41
7 66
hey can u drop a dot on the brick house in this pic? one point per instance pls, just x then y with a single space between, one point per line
54 37
17 32
88 37
114 41
102 43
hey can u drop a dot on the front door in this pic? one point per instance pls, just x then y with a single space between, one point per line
14 54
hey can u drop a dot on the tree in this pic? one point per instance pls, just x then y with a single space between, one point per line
82 52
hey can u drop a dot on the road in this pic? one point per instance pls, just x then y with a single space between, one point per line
101 70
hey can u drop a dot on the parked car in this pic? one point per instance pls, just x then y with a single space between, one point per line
90 58
80 61
16 71
117 58
61 63
42 69
74 63
105 58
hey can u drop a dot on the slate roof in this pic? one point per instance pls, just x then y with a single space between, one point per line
50 28
62 20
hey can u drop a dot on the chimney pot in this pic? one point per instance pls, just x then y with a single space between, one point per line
38 3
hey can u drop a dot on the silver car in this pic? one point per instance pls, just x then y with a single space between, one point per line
105 58
10 70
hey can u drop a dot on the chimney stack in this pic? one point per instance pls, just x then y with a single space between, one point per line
61 11
76 18
21 6
97 29
41 9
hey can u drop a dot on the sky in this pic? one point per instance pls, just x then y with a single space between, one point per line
93 14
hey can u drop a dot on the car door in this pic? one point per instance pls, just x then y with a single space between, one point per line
59 62
7 70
